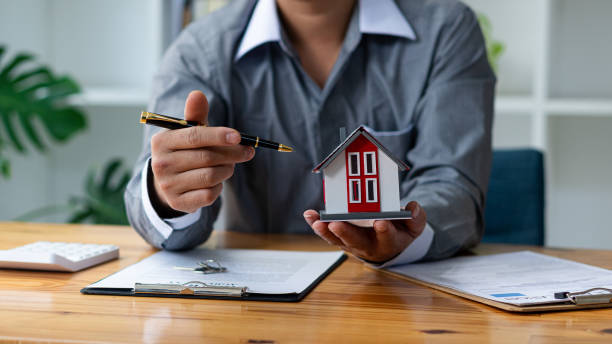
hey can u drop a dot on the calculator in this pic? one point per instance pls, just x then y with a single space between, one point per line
57 256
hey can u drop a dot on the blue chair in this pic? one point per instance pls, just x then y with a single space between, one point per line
514 213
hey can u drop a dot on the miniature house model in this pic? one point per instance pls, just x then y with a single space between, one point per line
361 181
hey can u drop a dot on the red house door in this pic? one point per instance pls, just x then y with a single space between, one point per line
362 176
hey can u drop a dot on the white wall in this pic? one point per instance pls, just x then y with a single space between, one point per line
111 49
23 27
581 196
555 94
105 43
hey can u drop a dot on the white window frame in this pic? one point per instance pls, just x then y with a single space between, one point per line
365 163
350 170
367 190
351 198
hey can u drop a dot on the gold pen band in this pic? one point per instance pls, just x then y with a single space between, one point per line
283 148
145 117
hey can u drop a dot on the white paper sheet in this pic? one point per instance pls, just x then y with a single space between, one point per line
261 271
519 278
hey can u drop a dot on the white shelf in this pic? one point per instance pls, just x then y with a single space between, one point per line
571 107
579 107
512 105
111 96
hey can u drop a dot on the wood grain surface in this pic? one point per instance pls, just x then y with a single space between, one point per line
354 304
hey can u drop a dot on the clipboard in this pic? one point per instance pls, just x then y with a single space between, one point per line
200 287
565 306
585 298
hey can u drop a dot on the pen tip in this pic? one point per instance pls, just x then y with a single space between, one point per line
143 117
283 148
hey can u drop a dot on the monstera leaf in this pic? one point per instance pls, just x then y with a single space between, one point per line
102 202
31 93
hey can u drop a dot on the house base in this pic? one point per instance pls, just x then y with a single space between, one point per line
364 219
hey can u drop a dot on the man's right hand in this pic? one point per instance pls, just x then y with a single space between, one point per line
189 165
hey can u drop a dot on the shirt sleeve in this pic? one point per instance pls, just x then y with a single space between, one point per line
184 68
414 252
164 227
450 157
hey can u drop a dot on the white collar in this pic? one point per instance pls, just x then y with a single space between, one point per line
381 17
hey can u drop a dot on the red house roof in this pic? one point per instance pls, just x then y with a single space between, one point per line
354 135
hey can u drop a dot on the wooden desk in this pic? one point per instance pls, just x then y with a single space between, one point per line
354 304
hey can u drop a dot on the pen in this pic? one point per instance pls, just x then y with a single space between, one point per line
176 123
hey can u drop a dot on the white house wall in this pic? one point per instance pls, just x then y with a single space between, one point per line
388 182
335 186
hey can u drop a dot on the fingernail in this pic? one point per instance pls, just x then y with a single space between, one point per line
232 138
249 152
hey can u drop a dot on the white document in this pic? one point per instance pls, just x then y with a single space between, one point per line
520 278
261 271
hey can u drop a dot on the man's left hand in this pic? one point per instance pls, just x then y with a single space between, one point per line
377 244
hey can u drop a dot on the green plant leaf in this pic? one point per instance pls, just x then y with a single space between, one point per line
62 88
109 171
29 93
123 182
24 120
63 123
17 60
38 72
102 202
10 130
5 167
80 217
494 48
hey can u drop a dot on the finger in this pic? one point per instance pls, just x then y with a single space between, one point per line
311 216
322 230
198 137
190 159
196 199
352 236
387 235
416 224
201 178
196 107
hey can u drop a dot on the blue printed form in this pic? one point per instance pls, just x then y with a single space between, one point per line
507 295
519 278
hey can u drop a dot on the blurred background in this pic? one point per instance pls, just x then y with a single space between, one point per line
90 63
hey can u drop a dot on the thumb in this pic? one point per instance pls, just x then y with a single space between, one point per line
196 107
418 221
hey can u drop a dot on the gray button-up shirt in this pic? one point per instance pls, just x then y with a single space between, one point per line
428 99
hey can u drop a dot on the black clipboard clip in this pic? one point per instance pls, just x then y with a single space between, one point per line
195 288
586 298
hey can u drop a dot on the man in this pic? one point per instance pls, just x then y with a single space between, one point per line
295 71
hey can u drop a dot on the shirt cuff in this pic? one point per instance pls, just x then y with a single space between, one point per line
164 227
414 252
